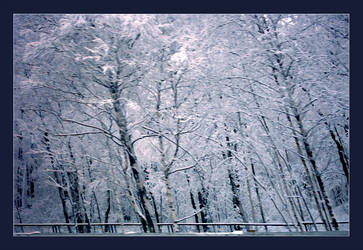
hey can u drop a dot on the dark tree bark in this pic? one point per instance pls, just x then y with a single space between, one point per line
259 198
130 156
80 213
236 200
316 172
157 217
234 182
202 205
29 181
89 163
63 198
341 152
63 195
192 201
107 213
19 177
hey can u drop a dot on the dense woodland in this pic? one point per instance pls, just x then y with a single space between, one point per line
181 118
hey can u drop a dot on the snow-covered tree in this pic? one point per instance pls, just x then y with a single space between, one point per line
171 118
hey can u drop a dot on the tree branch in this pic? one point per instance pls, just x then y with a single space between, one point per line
143 137
189 216
112 137
186 151
181 169
78 134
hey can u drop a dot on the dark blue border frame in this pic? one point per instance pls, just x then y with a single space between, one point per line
354 8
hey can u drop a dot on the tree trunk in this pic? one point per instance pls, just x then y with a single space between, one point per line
29 181
165 167
107 213
276 155
131 195
253 213
316 171
169 196
267 192
202 205
19 217
258 197
306 168
192 201
130 157
236 200
341 153
80 213
276 58
310 177
62 197
61 192
156 211
115 182
299 193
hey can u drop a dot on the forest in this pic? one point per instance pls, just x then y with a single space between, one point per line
237 119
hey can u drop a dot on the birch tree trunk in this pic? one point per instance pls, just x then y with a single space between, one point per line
129 152
164 165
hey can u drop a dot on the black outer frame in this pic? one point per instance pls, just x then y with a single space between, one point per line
354 8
